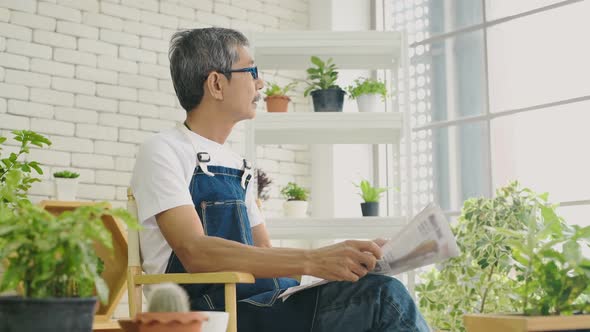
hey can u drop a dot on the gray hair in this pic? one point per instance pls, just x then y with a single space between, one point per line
196 53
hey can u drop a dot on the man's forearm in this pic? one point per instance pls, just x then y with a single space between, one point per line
212 254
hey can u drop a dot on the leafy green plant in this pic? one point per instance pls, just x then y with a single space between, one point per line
66 175
14 160
322 77
490 275
551 281
370 193
44 255
293 192
274 89
366 86
52 256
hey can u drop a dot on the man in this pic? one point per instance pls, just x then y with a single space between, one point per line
199 212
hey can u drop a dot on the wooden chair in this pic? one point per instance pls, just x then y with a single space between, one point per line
135 277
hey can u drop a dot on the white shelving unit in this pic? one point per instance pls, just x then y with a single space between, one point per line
327 128
333 228
367 50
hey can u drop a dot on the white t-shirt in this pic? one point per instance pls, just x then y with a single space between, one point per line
163 170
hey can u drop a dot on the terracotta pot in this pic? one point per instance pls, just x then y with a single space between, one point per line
164 322
518 323
277 104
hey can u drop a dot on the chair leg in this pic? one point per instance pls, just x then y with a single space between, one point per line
134 292
231 307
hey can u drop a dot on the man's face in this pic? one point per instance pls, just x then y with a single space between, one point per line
241 93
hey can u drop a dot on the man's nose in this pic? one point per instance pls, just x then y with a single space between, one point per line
259 83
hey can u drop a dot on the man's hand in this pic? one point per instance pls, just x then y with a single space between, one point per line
346 261
380 242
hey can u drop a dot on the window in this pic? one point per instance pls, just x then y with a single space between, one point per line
500 91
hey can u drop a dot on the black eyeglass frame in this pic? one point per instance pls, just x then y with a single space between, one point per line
252 70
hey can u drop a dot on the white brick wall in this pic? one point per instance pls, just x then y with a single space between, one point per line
28 49
52 67
32 21
93 75
27 78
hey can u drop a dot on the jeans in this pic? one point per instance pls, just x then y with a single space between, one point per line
374 303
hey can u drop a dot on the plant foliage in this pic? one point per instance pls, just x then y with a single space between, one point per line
293 192
508 262
550 281
366 86
322 77
14 160
274 89
370 193
66 175
44 255
263 182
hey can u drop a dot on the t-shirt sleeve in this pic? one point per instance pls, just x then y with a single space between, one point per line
254 214
158 180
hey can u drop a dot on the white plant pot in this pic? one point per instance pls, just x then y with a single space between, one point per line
369 103
296 209
65 189
217 321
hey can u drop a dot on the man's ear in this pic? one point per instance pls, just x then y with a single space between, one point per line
215 83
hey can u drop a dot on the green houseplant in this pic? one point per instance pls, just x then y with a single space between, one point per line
327 95
487 276
370 196
14 161
276 97
367 92
66 185
49 260
296 204
552 276
66 175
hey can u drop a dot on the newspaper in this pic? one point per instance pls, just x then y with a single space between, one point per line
425 240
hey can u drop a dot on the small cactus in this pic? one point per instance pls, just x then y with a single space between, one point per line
168 297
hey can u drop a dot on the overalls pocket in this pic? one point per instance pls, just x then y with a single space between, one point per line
266 299
226 219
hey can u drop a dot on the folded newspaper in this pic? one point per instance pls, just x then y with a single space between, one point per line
425 240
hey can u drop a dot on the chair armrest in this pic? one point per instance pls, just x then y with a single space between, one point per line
196 278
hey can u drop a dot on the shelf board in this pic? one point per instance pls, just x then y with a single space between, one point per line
289 50
327 128
333 228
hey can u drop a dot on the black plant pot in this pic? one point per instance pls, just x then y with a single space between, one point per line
329 100
18 314
370 209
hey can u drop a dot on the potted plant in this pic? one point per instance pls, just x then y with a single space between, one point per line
484 278
276 97
263 185
14 162
553 276
327 96
49 261
66 185
370 195
296 204
168 310
369 94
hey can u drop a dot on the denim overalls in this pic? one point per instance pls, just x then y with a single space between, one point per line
375 303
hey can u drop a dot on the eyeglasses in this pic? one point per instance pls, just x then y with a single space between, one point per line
252 70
